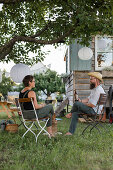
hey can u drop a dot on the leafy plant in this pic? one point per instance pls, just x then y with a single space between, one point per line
110 68
6 85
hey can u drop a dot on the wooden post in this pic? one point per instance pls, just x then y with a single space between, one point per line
54 125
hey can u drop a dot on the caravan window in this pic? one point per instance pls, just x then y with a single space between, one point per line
103 52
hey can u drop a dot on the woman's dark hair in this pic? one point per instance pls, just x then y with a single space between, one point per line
27 79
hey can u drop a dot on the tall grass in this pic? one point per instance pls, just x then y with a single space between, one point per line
91 152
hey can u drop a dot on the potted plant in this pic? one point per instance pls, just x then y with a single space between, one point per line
107 71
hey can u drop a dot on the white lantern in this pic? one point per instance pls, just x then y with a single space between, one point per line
85 53
102 44
18 72
0 76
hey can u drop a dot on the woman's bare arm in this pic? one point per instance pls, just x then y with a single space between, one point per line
32 95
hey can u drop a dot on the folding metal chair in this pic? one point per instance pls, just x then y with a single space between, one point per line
31 116
94 122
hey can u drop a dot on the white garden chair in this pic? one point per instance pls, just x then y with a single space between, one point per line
31 116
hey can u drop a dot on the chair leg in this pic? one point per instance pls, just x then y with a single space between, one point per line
43 129
90 124
36 125
31 125
22 123
95 126
29 129
100 124
85 128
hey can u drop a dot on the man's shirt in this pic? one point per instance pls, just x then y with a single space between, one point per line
94 97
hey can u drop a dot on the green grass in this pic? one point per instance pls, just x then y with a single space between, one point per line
91 152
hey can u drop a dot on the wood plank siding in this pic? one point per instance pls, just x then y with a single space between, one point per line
69 88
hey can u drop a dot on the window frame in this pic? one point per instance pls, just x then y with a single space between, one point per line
96 52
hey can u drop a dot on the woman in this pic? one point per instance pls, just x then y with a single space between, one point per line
41 109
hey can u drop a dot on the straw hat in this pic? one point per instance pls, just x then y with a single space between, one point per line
96 75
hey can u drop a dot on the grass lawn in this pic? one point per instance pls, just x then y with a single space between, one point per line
91 152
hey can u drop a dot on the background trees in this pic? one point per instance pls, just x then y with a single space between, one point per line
49 82
6 85
26 26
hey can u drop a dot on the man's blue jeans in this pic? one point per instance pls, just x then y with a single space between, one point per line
77 108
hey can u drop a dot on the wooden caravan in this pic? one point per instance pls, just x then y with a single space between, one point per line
77 69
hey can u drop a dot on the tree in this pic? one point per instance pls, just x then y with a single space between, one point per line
49 82
27 25
6 84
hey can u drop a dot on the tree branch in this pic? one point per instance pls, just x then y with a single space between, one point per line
44 42
7 48
44 29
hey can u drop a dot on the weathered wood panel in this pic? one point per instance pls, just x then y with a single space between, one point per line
81 75
108 81
82 81
82 86
69 89
83 92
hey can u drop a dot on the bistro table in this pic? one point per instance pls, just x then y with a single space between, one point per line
5 107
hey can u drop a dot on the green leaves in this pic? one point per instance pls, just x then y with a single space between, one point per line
6 84
49 82
67 20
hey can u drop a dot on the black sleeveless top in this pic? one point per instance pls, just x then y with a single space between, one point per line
27 105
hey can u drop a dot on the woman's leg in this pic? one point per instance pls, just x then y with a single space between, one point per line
45 112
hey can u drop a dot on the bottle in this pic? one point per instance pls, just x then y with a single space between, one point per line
76 96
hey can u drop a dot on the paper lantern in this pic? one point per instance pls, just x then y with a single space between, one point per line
0 76
18 72
102 44
85 53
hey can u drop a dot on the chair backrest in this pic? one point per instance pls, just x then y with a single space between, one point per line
102 99
102 103
27 114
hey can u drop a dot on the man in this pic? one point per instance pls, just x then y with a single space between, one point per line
88 105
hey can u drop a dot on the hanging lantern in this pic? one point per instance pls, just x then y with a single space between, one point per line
102 44
18 72
0 76
85 53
